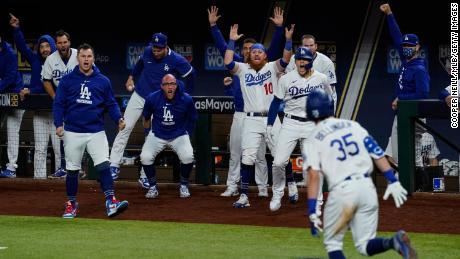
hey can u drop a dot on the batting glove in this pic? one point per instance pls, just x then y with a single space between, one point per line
398 192
315 225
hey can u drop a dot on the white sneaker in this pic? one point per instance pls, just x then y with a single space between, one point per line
275 203
242 202
263 192
183 191
152 193
229 192
293 192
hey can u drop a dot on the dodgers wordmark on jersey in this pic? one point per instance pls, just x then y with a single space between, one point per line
293 89
54 68
257 86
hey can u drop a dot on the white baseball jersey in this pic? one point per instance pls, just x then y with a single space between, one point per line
294 89
336 147
425 149
54 68
257 86
321 63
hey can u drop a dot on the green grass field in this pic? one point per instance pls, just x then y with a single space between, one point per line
44 237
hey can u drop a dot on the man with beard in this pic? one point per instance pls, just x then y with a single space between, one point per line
258 78
42 120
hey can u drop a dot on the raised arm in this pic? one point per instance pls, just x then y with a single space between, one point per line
19 39
284 61
219 40
228 59
393 27
275 45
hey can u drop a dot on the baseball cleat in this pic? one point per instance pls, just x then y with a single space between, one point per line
115 207
242 202
59 174
263 192
7 173
275 203
152 193
183 191
144 182
293 192
230 192
402 245
70 211
114 171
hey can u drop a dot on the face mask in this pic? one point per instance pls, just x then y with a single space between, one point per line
408 52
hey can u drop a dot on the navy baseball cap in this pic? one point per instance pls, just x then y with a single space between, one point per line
159 40
410 39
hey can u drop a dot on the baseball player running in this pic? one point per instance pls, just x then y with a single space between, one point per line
86 91
321 63
293 88
258 79
156 61
10 82
171 115
42 120
343 151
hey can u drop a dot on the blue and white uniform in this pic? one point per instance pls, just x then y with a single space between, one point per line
11 82
149 72
79 105
43 120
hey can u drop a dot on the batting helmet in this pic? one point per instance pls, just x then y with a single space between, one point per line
303 53
319 104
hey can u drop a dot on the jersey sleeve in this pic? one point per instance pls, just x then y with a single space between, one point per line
280 91
330 73
311 157
148 108
183 67
291 66
47 71
434 152
372 147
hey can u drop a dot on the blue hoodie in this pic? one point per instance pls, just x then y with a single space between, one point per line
81 100
171 119
414 80
10 78
34 58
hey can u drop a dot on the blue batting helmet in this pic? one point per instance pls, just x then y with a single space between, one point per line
319 104
303 53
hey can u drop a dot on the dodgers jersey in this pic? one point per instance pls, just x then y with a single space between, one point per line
425 149
340 148
54 68
321 63
257 86
294 90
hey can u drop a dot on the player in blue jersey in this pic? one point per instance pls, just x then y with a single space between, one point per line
42 120
81 99
169 119
156 61
413 81
10 82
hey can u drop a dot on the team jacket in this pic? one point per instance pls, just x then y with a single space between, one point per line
170 119
414 80
34 58
273 53
81 100
10 78
150 71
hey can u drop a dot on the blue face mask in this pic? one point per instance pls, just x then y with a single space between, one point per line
408 52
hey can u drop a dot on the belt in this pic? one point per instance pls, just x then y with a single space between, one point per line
356 177
257 114
295 117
